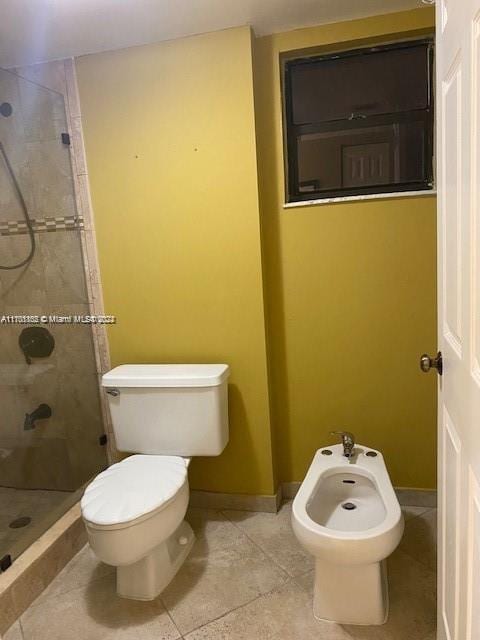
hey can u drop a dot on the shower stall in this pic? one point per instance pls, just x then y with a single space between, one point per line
51 428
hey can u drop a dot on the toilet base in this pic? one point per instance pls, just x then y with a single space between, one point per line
147 578
351 594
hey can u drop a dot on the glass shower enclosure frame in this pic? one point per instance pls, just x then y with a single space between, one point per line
51 427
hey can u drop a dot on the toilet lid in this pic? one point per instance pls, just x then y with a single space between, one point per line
132 488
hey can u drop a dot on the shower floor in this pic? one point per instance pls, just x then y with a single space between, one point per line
38 505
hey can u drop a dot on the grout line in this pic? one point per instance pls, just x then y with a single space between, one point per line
417 560
424 564
260 595
435 544
265 553
245 604
419 515
62 593
302 575
424 513
180 634
413 506
222 615
21 627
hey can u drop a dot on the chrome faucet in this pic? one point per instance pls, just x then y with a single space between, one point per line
348 441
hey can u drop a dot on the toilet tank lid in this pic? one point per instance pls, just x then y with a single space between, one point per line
166 375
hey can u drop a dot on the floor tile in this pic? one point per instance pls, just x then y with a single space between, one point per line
213 581
412 602
14 633
273 533
412 590
413 512
213 527
83 569
95 612
233 586
420 538
285 613
7 499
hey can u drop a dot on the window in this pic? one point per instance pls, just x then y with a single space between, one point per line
360 122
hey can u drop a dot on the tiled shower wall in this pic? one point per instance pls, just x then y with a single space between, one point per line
63 451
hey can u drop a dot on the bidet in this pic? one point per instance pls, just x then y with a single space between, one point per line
348 517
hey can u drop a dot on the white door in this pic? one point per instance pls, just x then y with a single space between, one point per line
458 158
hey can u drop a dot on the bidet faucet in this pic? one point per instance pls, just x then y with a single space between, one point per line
348 441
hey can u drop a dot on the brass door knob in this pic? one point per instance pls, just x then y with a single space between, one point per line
427 363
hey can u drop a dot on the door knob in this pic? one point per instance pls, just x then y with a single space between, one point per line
427 363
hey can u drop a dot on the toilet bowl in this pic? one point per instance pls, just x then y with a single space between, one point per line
346 514
133 513
134 510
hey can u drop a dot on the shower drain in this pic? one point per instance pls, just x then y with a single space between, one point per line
349 506
18 523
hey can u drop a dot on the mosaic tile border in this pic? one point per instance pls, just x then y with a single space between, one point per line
48 224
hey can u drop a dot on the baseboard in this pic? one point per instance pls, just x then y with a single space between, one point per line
38 565
289 490
406 497
236 501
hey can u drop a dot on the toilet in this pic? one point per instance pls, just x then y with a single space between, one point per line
134 510
346 514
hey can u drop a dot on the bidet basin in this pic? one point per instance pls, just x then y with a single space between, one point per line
346 501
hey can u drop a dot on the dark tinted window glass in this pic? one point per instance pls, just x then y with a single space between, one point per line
360 122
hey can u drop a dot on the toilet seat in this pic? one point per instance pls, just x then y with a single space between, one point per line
133 490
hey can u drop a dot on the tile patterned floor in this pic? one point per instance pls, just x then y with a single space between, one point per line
246 578
34 503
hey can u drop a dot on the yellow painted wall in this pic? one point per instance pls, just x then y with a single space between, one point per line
170 143
349 288
350 293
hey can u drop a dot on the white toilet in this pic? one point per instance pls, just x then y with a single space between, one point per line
134 511
346 514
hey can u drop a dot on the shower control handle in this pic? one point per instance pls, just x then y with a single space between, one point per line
113 392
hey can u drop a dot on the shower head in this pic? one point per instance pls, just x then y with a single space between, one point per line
6 109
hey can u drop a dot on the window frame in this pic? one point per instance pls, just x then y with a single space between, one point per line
291 131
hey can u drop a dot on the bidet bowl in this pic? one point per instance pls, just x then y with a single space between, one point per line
348 513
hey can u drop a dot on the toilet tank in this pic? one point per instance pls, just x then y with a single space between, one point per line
169 409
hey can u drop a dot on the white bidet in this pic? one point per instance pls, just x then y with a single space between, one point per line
346 514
